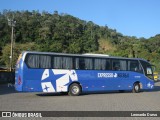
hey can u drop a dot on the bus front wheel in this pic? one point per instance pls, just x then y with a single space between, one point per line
136 88
74 89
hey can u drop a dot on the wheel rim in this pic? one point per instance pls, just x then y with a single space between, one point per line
137 87
75 90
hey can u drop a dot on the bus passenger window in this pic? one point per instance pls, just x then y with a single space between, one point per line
45 61
81 64
33 61
100 64
38 61
97 64
57 62
134 66
76 63
119 65
116 65
108 65
67 63
123 65
88 64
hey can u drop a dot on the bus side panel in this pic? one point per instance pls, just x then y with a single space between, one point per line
148 83
106 80
58 80
89 80
92 80
32 78
48 80
145 82
130 78
99 80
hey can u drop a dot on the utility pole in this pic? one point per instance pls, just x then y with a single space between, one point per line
11 23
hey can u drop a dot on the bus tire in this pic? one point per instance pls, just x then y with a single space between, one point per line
136 88
74 89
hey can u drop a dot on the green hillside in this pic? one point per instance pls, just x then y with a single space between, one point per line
68 34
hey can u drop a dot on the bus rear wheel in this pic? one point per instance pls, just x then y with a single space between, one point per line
136 88
74 89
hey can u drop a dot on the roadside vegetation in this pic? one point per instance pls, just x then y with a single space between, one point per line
59 32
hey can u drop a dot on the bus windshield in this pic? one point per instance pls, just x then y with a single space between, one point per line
148 71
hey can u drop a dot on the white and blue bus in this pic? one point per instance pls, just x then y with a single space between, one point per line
74 73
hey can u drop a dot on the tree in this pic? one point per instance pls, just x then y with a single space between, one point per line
66 33
18 49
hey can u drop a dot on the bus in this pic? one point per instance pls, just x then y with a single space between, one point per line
79 73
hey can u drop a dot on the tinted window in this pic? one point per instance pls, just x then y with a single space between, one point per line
38 61
57 62
101 64
88 63
84 63
45 61
108 65
134 66
77 63
67 63
147 69
63 63
119 65
81 64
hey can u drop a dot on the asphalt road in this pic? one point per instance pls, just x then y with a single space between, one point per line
10 100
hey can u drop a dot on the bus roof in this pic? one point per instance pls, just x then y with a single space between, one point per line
99 55
82 55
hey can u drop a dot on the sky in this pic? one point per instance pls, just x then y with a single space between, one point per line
140 18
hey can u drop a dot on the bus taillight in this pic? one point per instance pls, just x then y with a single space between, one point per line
19 80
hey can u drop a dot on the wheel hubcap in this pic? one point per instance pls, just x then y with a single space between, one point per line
136 87
75 89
